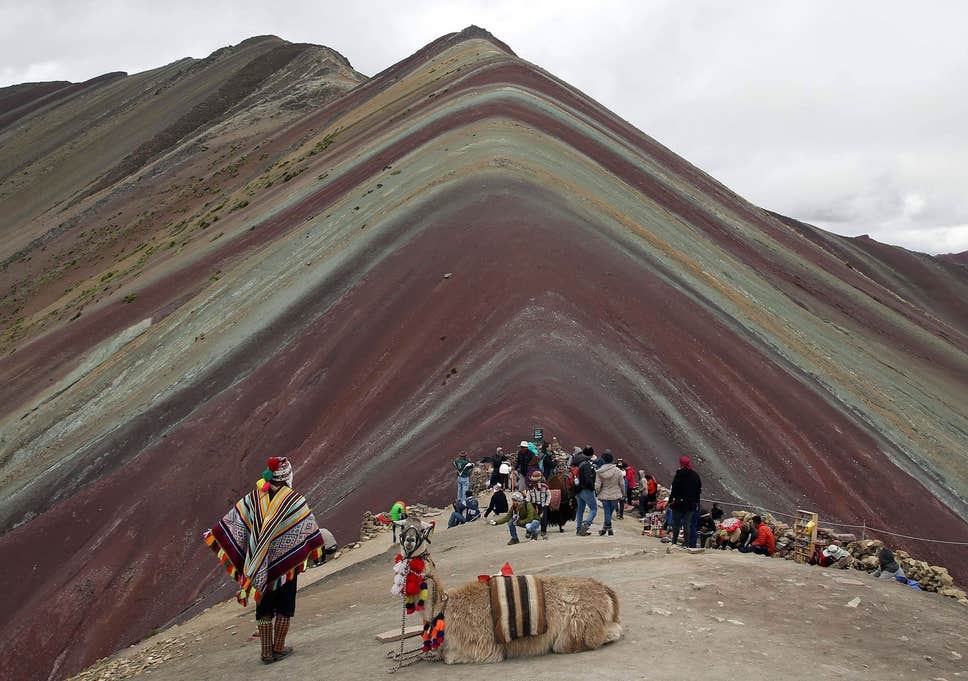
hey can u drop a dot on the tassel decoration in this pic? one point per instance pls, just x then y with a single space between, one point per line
433 633
409 582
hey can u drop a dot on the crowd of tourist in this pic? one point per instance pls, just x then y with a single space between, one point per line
541 485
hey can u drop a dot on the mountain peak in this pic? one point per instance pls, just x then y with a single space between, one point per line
264 252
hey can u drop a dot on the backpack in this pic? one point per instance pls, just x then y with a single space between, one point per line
586 475
573 481
573 477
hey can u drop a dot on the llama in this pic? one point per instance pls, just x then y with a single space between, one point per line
576 613
566 504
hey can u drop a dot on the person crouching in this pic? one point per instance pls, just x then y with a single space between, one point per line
521 514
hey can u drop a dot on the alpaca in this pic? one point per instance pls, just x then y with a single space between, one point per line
580 614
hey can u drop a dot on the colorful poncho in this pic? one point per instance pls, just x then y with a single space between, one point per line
265 542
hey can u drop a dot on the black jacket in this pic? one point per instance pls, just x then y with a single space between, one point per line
498 505
586 475
686 490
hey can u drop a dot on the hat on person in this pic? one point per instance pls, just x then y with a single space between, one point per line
518 497
607 457
685 462
536 475
524 443
278 471
498 486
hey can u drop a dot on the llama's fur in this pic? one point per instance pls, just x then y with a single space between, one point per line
581 614
566 511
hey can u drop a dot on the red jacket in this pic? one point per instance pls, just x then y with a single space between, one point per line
630 476
764 537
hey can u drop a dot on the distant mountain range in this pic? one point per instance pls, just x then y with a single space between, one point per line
263 252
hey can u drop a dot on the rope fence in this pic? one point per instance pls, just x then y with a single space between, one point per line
865 527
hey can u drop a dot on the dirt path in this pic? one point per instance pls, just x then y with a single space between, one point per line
715 615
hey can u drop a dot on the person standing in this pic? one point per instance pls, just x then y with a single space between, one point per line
522 464
586 495
540 497
684 499
716 513
495 476
546 462
609 488
629 481
648 493
463 467
265 541
504 471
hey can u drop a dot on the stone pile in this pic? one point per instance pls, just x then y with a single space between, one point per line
372 526
930 577
154 654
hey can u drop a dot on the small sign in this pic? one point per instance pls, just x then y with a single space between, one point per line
538 434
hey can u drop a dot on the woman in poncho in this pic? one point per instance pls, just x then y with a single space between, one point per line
264 541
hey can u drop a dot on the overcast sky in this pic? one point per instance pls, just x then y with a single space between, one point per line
850 115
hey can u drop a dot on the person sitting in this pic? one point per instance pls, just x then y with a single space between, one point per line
465 511
472 508
761 540
732 534
835 556
707 529
499 501
521 514
887 566
330 547
716 513
457 515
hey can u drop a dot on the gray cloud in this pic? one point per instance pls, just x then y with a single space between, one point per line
849 115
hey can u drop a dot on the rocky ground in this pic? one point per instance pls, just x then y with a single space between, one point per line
709 615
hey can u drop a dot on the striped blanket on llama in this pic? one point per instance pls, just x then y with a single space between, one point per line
517 607
266 541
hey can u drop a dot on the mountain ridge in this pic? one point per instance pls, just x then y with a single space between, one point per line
435 259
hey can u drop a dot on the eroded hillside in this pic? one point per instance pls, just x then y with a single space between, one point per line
228 258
